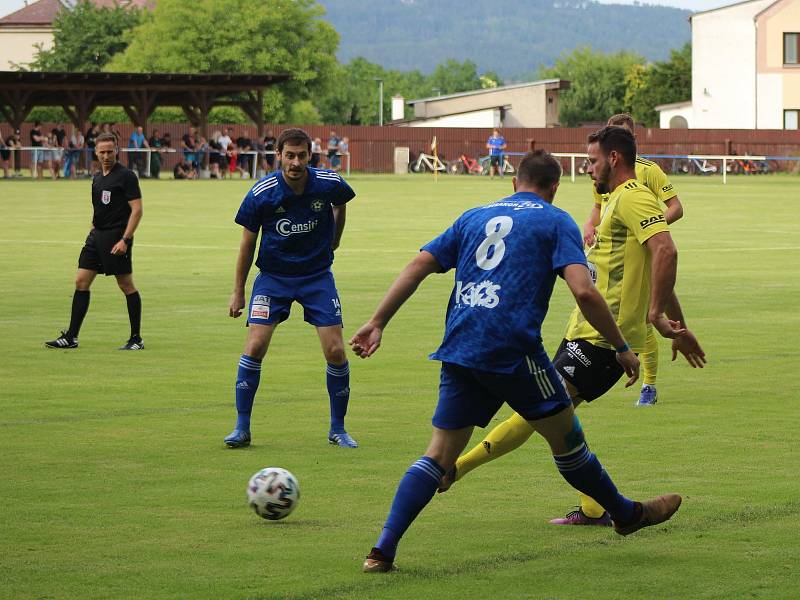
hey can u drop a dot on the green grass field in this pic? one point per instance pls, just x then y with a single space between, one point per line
115 482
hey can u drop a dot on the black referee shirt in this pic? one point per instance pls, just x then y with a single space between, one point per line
110 196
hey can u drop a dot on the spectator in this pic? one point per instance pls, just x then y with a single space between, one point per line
91 133
5 154
37 139
344 150
48 161
216 159
59 134
184 170
233 156
156 145
189 146
136 159
14 142
73 154
333 151
496 144
224 139
316 152
268 164
243 162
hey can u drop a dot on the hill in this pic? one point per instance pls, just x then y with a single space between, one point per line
512 37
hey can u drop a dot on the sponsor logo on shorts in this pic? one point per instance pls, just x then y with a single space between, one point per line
285 227
645 223
483 294
105 198
337 307
260 307
317 205
574 350
570 370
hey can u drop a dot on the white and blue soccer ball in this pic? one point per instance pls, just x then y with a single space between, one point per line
273 493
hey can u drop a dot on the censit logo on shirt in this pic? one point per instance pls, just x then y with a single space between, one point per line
105 198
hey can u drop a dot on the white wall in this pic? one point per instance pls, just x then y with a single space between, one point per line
770 105
666 114
488 118
724 67
17 45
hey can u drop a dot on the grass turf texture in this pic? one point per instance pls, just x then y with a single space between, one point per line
115 482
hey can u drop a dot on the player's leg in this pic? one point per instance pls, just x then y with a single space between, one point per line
415 490
649 357
337 378
321 308
248 378
588 372
501 440
133 301
464 402
583 471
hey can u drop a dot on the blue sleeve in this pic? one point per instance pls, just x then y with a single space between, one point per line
445 248
568 244
342 193
249 214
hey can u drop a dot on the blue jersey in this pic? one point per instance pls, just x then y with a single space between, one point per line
296 231
496 145
506 256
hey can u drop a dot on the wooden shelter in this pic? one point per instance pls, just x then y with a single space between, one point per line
139 94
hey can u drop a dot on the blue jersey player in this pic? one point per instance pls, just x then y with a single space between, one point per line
300 213
506 257
496 144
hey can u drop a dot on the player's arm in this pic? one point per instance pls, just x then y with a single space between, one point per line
121 247
368 338
686 343
594 308
247 249
674 210
339 217
590 227
664 269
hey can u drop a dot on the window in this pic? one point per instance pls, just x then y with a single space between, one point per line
790 119
791 48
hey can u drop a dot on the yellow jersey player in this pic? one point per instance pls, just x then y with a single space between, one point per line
634 265
651 175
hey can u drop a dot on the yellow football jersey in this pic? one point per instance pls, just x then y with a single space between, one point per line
620 263
651 175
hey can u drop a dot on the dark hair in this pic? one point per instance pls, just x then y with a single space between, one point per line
622 120
294 137
105 137
617 139
539 168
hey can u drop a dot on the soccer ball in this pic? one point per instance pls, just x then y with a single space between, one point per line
273 493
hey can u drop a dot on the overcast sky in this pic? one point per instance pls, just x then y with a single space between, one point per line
9 6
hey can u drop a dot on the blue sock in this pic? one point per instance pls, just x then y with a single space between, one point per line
584 472
246 385
414 492
338 379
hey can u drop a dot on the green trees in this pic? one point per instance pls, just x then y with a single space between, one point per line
86 38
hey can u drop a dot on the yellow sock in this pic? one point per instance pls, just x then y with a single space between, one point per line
504 438
650 357
591 508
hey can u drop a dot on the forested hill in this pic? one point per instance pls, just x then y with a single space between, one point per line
511 37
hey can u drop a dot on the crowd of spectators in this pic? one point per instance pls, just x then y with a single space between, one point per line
63 153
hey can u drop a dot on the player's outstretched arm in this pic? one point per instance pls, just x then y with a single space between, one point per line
594 308
368 338
247 249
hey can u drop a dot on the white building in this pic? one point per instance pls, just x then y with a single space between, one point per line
533 104
745 68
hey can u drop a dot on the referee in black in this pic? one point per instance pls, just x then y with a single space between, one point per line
117 203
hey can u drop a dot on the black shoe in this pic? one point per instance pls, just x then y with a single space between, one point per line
135 343
62 342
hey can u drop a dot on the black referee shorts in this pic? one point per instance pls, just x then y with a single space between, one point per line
592 370
96 253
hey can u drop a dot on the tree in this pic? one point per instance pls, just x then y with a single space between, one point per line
660 83
598 83
86 37
238 36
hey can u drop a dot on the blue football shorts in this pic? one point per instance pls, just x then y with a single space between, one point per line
470 397
273 295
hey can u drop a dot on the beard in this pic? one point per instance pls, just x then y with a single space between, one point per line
602 188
